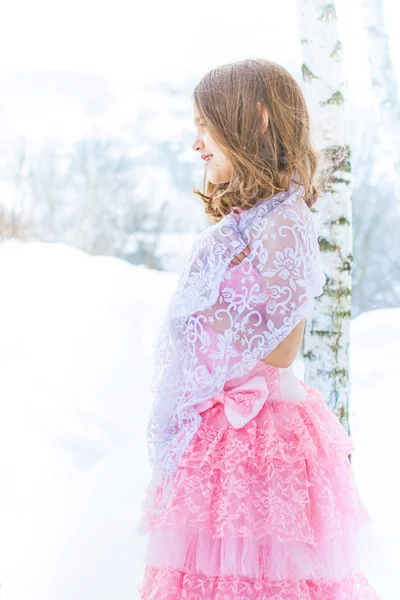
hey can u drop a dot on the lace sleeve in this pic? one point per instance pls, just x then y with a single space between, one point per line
262 299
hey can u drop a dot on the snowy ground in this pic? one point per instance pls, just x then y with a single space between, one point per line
76 359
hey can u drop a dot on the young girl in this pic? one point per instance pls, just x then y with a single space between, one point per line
252 496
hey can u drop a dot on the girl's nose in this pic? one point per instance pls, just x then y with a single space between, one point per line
196 144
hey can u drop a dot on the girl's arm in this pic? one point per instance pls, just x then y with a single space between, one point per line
263 303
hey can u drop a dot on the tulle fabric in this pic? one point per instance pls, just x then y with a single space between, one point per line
199 552
270 510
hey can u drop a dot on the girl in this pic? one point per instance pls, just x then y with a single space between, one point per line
252 495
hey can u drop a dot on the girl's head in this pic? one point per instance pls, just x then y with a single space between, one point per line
251 116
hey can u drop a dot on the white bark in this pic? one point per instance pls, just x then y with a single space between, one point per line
383 77
326 343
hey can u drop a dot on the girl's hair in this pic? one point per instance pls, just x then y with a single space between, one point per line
263 161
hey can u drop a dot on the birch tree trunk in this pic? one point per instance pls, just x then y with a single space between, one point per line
383 77
326 340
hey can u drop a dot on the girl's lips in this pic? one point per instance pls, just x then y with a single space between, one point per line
208 159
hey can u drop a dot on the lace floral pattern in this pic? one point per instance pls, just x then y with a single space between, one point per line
223 320
253 496
269 510
171 584
286 474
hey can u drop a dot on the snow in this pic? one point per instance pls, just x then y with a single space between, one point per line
76 355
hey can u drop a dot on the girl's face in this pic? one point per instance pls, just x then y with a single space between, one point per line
218 167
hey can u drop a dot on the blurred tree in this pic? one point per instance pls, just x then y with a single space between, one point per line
86 197
376 219
15 221
384 85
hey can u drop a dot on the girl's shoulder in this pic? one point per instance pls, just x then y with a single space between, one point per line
283 204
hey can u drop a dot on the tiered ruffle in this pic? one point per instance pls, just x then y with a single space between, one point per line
270 510
171 584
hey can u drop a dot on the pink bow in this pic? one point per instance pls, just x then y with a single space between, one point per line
241 403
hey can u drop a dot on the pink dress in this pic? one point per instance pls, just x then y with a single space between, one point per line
264 504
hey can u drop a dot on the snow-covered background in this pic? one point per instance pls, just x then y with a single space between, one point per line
76 352
96 174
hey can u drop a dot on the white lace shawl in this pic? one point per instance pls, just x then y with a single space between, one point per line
222 321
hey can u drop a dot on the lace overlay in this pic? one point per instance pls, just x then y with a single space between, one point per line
252 496
285 474
267 510
223 320
171 584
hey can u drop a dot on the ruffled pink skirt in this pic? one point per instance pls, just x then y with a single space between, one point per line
269 510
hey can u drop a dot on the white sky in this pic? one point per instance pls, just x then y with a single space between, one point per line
161 40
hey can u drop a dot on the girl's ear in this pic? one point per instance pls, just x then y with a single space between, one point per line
262 110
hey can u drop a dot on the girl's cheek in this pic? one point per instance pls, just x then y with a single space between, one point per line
208 141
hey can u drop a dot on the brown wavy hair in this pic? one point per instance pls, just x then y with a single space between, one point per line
264 161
